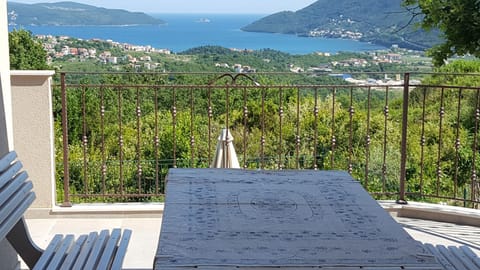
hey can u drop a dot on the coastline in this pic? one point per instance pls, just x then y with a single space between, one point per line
183 31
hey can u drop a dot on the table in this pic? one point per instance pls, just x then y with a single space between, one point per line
229 218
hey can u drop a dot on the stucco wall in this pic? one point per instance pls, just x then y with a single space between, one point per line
33 131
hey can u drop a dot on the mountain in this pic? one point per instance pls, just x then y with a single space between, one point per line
383 22
70 13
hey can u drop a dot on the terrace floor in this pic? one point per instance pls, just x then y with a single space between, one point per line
146 229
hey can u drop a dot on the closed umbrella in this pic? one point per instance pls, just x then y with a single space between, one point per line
225 155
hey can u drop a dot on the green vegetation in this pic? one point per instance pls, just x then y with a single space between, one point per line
26 52
458 20
139 126
457 148
219 59
138 132
382 22
157 120
70 13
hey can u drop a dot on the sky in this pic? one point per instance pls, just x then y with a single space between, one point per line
194 6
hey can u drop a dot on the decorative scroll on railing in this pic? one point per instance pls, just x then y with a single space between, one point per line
411 139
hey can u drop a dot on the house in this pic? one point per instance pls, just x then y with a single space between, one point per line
73 51
223 65
146 58
112 60
65 50
393 57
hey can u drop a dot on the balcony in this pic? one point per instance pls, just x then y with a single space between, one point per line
409 139
403 139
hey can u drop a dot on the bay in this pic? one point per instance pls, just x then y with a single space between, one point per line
185 31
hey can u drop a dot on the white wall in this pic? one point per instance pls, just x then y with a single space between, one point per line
8 256
6 137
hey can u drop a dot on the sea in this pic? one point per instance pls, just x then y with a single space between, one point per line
185 31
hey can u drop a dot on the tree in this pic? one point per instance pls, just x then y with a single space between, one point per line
25 51
459 20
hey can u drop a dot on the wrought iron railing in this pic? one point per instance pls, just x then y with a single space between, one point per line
414 138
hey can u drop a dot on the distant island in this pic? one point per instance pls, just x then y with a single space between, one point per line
382 22
71 13
203 20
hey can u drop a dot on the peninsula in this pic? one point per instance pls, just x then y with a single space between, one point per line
382 22
71 13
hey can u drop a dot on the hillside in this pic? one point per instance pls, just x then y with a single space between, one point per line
70 13
383 22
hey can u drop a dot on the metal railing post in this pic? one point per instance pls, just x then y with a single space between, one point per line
403 150
66 172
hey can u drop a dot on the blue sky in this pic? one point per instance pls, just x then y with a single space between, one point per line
194 6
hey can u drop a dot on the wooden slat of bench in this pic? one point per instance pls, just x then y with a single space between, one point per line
455 258
14 204
11 186
10 221
6 160
442 260
443 251
9 172
74 252
473 257
85 251
97 249
108 252
61 252
122 250
463 258
447 254
48 253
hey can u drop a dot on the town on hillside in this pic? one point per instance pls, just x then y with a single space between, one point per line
117 56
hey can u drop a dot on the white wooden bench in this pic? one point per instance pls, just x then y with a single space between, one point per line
104 250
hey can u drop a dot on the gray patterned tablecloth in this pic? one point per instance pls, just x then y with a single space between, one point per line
226 218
